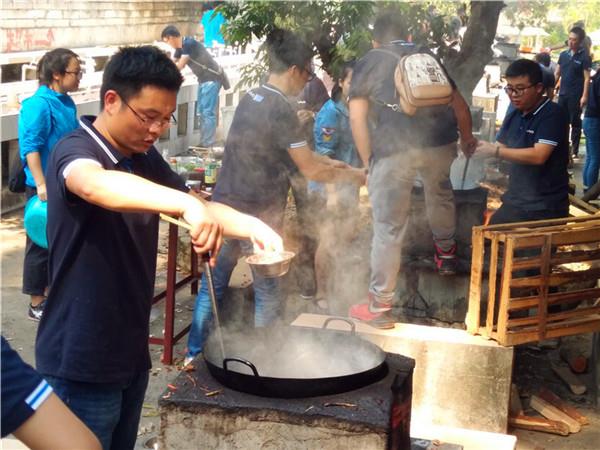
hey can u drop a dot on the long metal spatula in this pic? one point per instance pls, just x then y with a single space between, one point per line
209 283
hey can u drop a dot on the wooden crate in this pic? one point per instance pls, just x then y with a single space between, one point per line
521 288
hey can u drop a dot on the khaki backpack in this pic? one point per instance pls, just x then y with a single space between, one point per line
420 82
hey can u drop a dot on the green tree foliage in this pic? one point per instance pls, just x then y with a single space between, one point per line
339 30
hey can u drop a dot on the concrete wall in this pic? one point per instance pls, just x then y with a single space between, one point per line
27 25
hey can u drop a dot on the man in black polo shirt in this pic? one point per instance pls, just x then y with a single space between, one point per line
573 75
265 146
190 52
395 149
106 184
534 138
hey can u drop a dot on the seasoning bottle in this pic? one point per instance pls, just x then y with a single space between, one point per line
210 171
399 434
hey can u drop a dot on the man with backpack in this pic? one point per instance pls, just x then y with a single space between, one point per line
190 52
397 147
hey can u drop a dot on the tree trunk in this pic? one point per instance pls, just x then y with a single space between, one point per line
467 66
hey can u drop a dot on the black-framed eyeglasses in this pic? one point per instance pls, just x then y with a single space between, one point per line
77 73
149 123
517 91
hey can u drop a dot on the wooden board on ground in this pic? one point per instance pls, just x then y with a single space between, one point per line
553 413
539 424
575 384
557 402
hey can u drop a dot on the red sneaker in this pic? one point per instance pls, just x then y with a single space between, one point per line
382 320
446 262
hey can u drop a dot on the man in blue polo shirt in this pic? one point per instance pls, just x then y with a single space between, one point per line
106 184
33 413
573 76
534 138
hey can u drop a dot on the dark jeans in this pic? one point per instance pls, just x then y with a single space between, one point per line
307 212
591 128
111 411
35 263
573 108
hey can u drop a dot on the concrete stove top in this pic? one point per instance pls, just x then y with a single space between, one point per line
365 408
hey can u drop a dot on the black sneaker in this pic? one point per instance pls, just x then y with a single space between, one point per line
35 312
446 262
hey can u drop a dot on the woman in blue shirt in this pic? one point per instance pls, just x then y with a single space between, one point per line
333 138
44 119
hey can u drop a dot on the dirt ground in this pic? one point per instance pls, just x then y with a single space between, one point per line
532 364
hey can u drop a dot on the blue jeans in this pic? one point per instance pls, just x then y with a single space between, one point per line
206 109
591 128
268 295
111 411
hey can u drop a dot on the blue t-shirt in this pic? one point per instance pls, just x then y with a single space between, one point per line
23 390
45 117
102 266
373 78
256 164
212 22
545 186
333 138
572 67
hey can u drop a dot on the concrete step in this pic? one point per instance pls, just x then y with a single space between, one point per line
460 381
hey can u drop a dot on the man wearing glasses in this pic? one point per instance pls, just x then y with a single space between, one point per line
534 138
106 184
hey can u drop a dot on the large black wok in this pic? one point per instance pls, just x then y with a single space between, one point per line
293 362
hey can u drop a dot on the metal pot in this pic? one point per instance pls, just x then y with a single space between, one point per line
294 362
268 269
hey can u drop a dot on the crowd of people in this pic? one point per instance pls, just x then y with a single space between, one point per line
105 183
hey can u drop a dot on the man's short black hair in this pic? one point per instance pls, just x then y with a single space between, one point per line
579 32
525 67
286 49
388 28
170 31
543 58
132 68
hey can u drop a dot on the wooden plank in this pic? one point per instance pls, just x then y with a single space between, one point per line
558 258
543 297
537 223
554 317
493 273
557 278
539 424
553 413
558 298
557 402
590 209
575 384
505 289
576 326
473 314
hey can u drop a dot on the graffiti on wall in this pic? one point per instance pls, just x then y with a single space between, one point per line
24 39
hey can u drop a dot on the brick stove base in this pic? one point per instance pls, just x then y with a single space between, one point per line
235 420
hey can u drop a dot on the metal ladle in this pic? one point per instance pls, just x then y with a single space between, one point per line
209 282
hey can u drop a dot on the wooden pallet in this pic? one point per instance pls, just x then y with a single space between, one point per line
521 288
